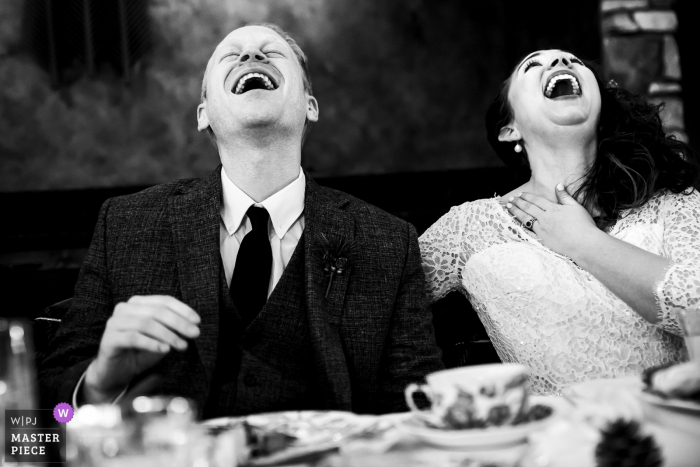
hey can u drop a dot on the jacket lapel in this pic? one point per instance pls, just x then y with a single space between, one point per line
194 216
323 214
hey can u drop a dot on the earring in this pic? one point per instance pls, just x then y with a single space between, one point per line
518 148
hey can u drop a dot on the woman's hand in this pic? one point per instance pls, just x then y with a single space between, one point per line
626 270
563 227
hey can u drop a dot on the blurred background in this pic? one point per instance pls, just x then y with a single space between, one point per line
98 98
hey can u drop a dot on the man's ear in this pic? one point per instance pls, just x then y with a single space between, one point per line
202 118
509 134
311 108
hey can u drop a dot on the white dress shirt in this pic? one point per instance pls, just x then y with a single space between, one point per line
286 224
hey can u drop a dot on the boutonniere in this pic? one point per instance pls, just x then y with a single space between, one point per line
336 255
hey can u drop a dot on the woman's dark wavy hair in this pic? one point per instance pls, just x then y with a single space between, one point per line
635 158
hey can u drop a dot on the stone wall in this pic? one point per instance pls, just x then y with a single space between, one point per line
641 54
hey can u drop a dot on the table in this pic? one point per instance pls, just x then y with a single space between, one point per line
572 432
680 448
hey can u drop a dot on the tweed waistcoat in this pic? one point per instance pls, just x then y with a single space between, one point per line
267 366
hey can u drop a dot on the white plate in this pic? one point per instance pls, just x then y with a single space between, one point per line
315 431
597 389
479 437
676 404
675 414
627 397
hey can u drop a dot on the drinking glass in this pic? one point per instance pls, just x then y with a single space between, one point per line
17 376
151 432
689 319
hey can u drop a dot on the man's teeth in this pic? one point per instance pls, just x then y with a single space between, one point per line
553 83
265 79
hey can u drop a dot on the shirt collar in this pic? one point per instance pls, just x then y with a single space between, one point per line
284 207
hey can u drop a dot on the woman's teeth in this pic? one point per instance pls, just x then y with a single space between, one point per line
553 82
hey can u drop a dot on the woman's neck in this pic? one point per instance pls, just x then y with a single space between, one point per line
551 165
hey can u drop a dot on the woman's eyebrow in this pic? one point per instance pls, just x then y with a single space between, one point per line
534 54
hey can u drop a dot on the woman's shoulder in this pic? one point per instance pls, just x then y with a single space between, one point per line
689 195
464 217
665 203
469 209
669 200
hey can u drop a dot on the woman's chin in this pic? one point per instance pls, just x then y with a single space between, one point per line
571 116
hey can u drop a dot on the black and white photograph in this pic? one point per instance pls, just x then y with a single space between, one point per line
349 233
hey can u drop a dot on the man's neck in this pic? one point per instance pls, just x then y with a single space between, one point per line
261 170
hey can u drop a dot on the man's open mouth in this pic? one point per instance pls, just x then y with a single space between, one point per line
251 81
562 84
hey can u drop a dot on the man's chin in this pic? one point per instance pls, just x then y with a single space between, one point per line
257 111
258 119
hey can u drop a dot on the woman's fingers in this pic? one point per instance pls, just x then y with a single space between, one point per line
525 218
524 210
563 195
537 200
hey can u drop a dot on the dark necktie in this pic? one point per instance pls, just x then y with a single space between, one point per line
251 274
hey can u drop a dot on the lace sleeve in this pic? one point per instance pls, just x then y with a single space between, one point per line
442 254
680 286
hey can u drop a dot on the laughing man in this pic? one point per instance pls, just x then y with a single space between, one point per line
256 289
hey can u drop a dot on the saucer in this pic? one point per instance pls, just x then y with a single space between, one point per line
480 437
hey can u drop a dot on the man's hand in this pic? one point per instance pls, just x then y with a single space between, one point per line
138 335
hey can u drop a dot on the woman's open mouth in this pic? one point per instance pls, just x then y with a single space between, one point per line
562 84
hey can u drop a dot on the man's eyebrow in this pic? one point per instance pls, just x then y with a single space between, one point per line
272 40
534 54
234 48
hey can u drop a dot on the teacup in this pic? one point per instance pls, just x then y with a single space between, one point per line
474 396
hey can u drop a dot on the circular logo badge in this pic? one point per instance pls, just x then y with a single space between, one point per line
63 413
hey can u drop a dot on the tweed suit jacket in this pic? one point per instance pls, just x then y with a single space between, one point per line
370 337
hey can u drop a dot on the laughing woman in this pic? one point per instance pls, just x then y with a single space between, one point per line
577 273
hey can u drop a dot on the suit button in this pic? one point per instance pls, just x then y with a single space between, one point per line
250 380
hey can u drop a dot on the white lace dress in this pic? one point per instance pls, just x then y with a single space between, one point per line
542 310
